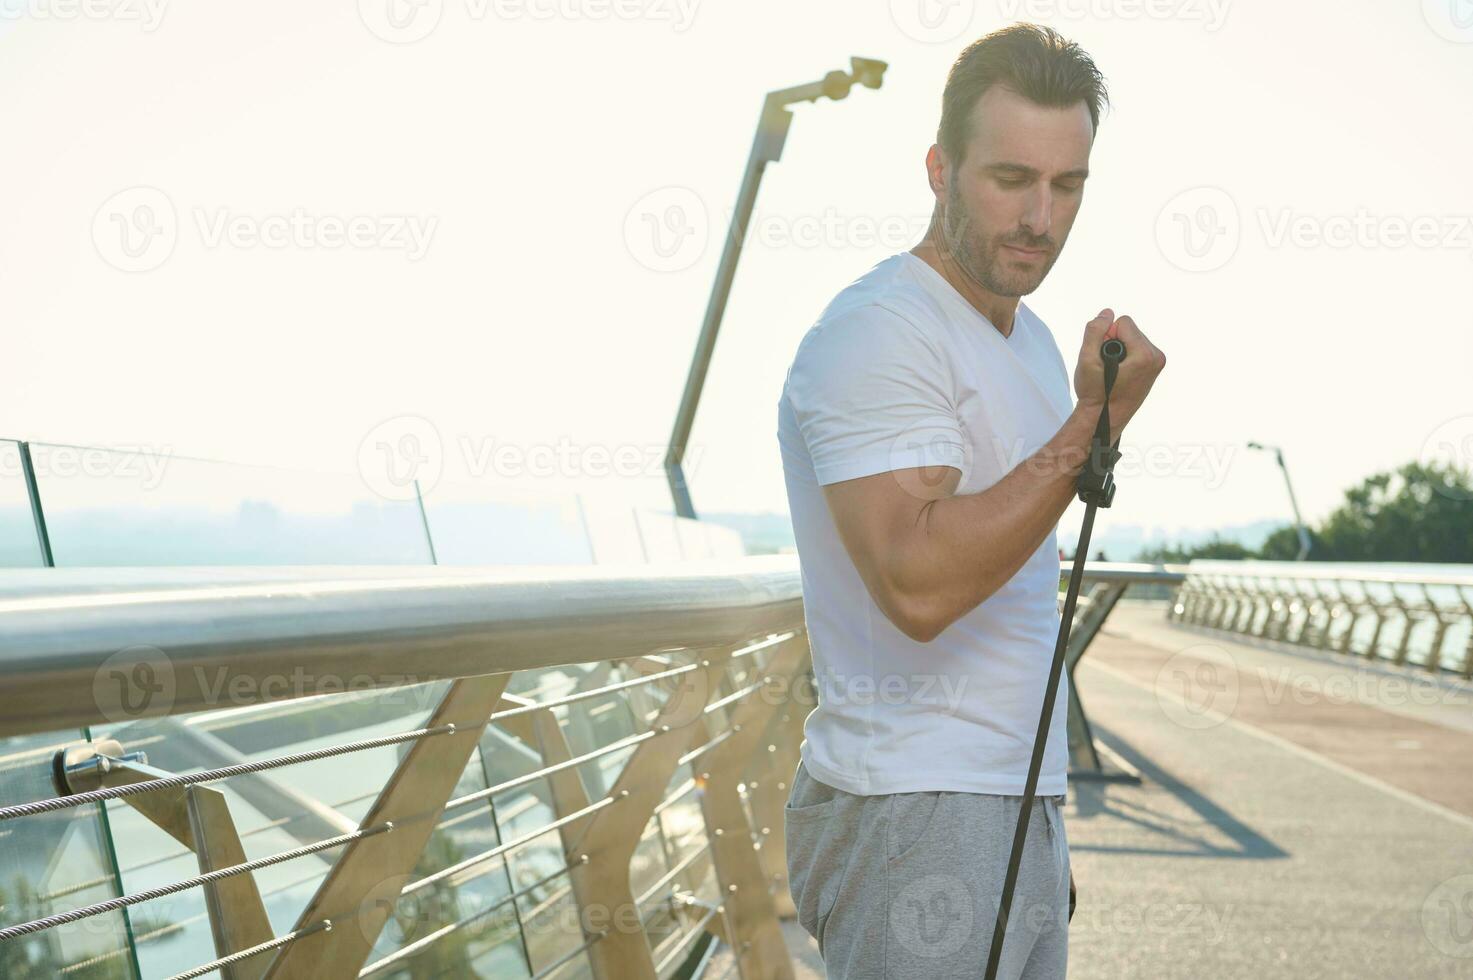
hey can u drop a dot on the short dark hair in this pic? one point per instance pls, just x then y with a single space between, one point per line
1036 62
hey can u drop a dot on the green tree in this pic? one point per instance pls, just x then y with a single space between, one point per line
1282 544
1416 513
1214 547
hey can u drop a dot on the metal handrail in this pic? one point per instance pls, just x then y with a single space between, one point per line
1336 571
297 632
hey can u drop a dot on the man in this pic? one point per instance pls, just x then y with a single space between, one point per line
929 448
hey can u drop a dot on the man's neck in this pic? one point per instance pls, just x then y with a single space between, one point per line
999 310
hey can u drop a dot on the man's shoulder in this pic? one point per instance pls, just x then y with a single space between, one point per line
886 305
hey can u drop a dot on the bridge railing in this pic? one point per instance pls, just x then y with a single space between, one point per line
1422 620
400 771
395 772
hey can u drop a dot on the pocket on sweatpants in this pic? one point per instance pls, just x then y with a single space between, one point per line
813 833
910 817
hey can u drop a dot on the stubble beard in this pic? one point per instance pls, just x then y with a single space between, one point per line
983 260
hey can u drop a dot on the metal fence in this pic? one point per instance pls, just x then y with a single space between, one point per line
398 772
1425 620
413 771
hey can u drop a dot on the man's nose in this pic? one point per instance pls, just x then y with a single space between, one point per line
1038 215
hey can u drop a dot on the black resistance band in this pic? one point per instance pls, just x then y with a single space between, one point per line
1096 486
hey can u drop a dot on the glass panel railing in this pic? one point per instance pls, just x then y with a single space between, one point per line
19 545
52 863
481 524
288 807
115 507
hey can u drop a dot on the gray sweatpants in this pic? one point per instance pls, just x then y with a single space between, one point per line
906 886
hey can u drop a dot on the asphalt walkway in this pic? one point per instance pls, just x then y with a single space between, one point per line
1302 815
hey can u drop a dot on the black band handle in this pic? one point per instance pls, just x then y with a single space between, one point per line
1096 488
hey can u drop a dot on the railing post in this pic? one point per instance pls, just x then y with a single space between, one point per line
599 857
363 886
746 890
769 792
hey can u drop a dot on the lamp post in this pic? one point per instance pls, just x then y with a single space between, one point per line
767 147
1298 521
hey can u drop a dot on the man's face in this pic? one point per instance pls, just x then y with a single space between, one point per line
1011 203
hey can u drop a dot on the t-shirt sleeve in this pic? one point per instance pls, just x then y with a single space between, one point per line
870 394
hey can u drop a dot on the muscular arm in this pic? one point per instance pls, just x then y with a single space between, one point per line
928 555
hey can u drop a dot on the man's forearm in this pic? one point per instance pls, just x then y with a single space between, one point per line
965 547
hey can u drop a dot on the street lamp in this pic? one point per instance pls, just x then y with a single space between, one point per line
1298 521
767 147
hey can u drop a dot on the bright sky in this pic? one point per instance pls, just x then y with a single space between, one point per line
460 229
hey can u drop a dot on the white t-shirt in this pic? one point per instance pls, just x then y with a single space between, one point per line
900 371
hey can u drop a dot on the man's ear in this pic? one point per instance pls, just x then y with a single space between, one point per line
937 172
